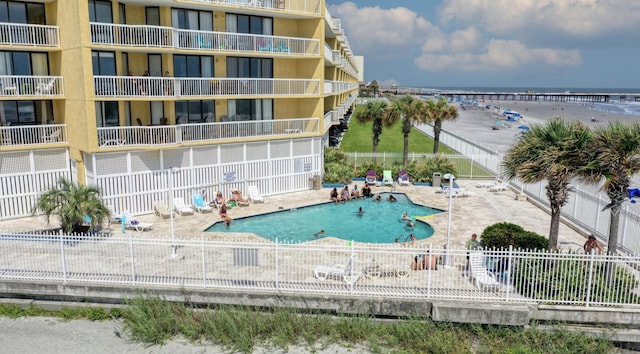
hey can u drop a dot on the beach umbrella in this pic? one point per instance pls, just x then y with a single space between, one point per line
523 127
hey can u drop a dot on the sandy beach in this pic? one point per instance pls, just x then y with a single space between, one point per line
476 124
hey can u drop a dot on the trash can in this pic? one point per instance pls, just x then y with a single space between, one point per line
312 182
317 182
436 180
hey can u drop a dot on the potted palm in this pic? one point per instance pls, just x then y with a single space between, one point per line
78 208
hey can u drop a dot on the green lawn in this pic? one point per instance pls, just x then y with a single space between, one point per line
359 139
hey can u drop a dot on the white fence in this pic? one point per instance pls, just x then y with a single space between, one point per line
585 204
131 181
354 269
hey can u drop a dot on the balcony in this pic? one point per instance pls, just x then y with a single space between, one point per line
108 34
331 87
163 87
303 7
27 86
114 137
16 34
23 135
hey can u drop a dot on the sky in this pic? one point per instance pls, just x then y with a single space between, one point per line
495 43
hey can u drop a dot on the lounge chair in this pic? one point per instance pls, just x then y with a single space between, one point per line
372 178
254 195
480 275
200 205
499 187
236 196
338 272
403 178
138 225
160 209
387 178
180 207
379 270
458 192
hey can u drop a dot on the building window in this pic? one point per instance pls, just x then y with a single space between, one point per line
20 12
104 63
100 11
242 110
195 111
107 114
152 15
25 112
250 67
23 63
249 24
192 66
192 19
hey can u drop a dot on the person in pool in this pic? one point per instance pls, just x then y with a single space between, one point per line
377 198
366 190
319 233
405 216
360 211
391 198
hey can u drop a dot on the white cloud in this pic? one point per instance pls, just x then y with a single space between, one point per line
564 18
390 34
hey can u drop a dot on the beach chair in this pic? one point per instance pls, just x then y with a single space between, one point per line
200 205
180 207
339 272
499 187
480 275
403 178
138 225
375 270
387 178
160 209
254 195
372 178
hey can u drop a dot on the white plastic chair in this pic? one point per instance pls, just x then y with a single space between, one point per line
180 207
482 278
338 272
254 195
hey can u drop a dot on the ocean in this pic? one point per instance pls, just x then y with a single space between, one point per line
617 104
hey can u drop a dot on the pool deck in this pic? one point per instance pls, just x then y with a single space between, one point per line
471 214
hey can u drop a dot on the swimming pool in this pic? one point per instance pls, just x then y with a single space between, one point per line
380 223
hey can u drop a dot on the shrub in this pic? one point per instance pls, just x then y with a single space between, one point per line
336 168
503 234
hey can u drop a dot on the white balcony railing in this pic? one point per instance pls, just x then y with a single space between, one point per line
144 86
109 34
203 132
306 7
33 135
31 86
29 35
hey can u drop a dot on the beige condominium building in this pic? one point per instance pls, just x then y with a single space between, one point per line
148 99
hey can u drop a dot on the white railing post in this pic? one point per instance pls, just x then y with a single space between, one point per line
204 263
133 259
429 273
353 265
277 261
62 258
588 298
508 270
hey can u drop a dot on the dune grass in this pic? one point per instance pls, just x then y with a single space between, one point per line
241 329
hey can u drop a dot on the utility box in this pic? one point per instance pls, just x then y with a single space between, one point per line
436 180
317 182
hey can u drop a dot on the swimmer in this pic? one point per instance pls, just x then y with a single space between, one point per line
405 216
360 211
377 198
412 237
321 232
391 198
410 224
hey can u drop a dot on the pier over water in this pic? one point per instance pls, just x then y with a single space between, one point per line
518 96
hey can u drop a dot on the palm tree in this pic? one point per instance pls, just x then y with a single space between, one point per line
614 157
550 152
409 110
439 111
373 112
374 87
73 204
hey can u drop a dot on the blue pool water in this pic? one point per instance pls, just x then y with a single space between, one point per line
380 223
